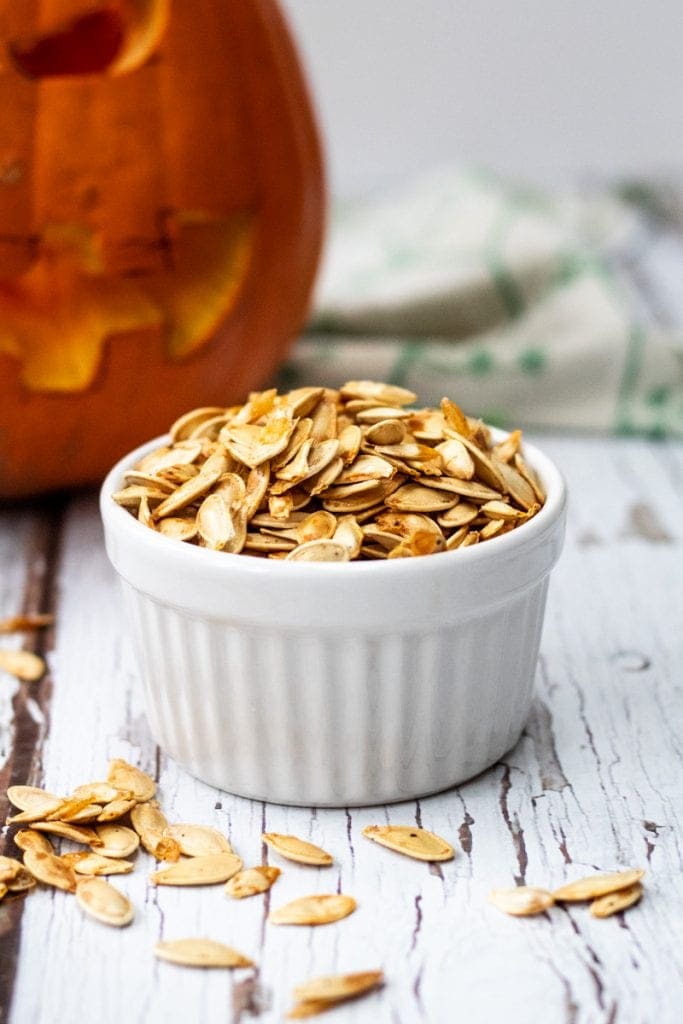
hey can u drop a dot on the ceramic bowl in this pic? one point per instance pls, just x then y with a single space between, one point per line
336 684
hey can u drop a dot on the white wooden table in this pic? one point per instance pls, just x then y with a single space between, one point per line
594 784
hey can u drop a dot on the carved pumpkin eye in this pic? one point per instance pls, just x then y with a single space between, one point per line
113 39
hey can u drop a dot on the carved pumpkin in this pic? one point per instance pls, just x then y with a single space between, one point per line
161 207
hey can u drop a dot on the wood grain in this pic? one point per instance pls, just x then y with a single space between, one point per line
593 785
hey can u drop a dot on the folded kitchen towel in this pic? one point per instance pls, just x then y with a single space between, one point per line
527 308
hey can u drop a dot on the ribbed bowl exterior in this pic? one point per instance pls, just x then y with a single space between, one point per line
336 684
335 719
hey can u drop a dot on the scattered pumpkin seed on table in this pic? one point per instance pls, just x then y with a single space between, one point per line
207 870
197 952
104 902
297 849
319 909
523 901
593 886
25 665
411 840
252 881
615 902
320 994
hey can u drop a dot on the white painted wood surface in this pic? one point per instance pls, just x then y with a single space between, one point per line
594 784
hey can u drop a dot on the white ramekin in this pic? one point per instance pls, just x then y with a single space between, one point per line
336 684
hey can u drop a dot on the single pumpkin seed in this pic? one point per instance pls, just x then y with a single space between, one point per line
25 665
319 909
614 902
377 391
102 901
414 842
198 840
97 792
29 839
297 849
200 953
77 833
524 901
252 881
50 869
207 870
151 825
126 777
116 840
593 886
334 988
319 551
97 864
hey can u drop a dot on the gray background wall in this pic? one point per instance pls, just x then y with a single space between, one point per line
543 89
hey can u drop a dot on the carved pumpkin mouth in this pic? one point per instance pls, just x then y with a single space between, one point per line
111 39
56 316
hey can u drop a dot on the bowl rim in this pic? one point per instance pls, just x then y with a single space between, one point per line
117 518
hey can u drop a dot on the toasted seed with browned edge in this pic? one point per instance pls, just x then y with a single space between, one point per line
414 842
593 886
127 777
524 901
198 840
150 823
77 833
319 909
200 953
25 665
103 902
211 870
614 902
96 864
297 849
252 881
29 839
50 870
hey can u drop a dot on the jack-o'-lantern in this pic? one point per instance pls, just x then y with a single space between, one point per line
161 208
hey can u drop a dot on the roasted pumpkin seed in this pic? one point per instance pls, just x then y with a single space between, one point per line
410 840
297 849
314 910
524 901
252 881
206 870
593 886
200 953
105 903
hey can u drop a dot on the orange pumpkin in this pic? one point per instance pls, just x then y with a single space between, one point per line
161 209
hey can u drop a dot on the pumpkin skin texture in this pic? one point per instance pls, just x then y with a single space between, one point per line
161 209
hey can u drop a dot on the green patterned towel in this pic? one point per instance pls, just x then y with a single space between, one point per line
525 308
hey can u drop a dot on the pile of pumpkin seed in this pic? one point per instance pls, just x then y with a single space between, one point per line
319 474
110 819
